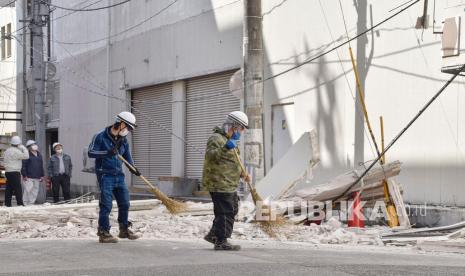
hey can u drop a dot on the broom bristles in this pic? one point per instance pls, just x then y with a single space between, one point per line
268 226
173 206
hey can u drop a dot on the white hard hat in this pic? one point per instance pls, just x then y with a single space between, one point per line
15 140
128 118
239 117
30 142
56 144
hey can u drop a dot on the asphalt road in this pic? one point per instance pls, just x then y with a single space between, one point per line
150 257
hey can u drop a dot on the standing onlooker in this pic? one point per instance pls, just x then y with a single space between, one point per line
60 169
13 162
33 174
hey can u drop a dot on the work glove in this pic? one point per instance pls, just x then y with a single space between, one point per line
113 151
133 170
236 135
231 144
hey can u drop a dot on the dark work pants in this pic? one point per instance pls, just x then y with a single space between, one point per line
62 180
13 187
225 207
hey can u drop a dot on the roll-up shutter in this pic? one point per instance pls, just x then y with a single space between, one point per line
203 115
151 139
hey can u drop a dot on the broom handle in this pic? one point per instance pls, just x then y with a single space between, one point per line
242 168
132 167
240 162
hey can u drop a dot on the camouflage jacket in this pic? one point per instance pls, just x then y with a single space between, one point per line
221 170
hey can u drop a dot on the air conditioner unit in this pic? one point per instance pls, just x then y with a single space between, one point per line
453 53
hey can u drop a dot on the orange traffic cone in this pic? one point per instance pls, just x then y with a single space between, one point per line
356 215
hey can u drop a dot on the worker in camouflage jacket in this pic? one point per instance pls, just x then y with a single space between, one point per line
221 175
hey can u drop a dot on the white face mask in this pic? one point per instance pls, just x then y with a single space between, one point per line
34 147
59 151
124 132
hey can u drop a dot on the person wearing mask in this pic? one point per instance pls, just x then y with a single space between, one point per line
60 170
105 148
33 175
13 158
221 175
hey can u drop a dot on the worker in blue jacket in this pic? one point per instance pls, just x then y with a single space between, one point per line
105 148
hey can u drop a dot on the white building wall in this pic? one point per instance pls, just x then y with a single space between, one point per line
190 38
404 71
8 73
194 38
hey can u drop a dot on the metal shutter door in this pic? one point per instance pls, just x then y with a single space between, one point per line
151 143
203 115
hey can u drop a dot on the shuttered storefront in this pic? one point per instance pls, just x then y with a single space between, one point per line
203 115
152 143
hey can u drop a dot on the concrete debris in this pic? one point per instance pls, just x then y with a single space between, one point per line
372 185
155 222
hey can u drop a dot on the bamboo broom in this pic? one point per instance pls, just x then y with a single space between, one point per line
173 206
268 226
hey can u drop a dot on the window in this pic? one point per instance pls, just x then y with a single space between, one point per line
3 56
8 41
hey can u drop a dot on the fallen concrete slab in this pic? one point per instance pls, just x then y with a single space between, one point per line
293 168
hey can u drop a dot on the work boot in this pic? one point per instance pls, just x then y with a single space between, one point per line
210 237
106 237
125 233
225 245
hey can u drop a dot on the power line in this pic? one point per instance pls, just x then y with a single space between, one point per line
266 79
85 10
7 5
271 77
461 69
136 110
401 5
73 12
124 101
17 30
122 32
342 44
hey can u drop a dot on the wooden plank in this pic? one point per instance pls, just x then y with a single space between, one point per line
396 195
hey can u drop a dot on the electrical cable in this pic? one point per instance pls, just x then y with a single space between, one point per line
340 45
73 12
461 69
308 60
85 10
7 5
311 59
122 32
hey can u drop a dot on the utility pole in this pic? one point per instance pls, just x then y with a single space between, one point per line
359 140
253 88
24 75
39 20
